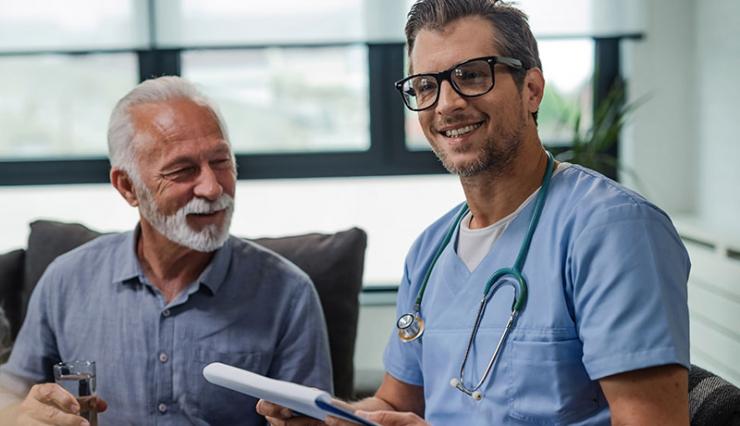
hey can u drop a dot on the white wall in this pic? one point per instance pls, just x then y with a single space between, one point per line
684 141
717 64
660 145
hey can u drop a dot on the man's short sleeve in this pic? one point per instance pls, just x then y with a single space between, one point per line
402 360
628 273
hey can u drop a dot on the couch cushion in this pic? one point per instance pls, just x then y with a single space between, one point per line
47 240
11 279
335 264
333 261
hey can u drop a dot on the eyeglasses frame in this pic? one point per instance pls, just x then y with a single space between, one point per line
447 75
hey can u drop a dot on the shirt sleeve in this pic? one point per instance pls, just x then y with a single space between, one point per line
302 355
402 360
35 350
628 275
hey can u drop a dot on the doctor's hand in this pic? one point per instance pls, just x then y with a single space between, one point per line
393 418
278 415
51 404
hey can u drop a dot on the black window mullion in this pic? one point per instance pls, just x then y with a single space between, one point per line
54 172
607 76
158 62
385 63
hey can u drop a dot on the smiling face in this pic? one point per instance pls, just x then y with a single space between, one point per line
470 135
187 177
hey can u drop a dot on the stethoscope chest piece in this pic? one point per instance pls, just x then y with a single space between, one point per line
410 327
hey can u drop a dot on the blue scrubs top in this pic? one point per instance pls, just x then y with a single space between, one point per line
607 277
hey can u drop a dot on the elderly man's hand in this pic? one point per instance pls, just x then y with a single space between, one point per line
393 418
51 404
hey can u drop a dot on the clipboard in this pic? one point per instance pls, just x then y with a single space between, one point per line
301 399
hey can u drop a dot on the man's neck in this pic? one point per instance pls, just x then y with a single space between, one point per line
494 195
169 266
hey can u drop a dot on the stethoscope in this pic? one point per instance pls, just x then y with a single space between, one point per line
411 326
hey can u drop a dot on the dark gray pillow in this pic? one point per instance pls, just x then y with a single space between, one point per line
11 285
334 262
47 240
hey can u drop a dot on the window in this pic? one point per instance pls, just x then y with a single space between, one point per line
59 105
288 99
301 100
49 25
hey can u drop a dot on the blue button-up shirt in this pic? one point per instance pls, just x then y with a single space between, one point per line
249 308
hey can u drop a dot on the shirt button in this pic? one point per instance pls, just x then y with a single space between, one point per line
163 357
166 313
162 407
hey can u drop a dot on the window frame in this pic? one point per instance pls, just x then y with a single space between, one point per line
386 156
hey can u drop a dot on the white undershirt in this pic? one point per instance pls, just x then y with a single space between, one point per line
474 244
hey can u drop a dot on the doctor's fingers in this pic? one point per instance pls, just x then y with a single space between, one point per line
278 415
268 409
393 418
294 421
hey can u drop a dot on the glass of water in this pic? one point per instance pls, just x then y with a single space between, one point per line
78 378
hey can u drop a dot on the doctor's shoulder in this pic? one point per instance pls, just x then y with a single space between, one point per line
589 198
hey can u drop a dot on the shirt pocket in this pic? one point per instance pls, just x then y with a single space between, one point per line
548 384
216 404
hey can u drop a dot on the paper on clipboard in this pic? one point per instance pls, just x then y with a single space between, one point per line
311 402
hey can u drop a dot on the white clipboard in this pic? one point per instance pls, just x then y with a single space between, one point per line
301 399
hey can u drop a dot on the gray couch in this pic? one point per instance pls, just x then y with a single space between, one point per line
333 261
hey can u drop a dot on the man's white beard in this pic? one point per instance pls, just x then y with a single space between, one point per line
175 227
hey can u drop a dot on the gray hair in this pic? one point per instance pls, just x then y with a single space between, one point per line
512 35
121 131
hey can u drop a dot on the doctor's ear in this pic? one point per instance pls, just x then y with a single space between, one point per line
534 89
124 185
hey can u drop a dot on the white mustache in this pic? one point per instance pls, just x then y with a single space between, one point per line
201 206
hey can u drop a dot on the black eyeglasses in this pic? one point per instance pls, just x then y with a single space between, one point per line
471 78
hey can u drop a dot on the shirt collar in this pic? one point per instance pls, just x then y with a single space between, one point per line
128 267
215 273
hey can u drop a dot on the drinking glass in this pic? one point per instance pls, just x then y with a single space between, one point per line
78 378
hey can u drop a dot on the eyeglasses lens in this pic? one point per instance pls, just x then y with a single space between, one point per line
473 78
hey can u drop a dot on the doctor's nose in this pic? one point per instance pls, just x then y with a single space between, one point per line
449 100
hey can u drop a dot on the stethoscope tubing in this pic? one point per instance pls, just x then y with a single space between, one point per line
492 285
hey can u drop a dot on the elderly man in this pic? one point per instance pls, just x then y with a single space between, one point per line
155 305
596 329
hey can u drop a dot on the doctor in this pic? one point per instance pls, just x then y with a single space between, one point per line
588 322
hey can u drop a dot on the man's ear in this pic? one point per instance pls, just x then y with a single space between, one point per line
534 89
124 185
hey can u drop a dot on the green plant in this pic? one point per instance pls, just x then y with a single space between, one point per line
593 147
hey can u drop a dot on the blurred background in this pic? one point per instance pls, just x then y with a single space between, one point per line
323 142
